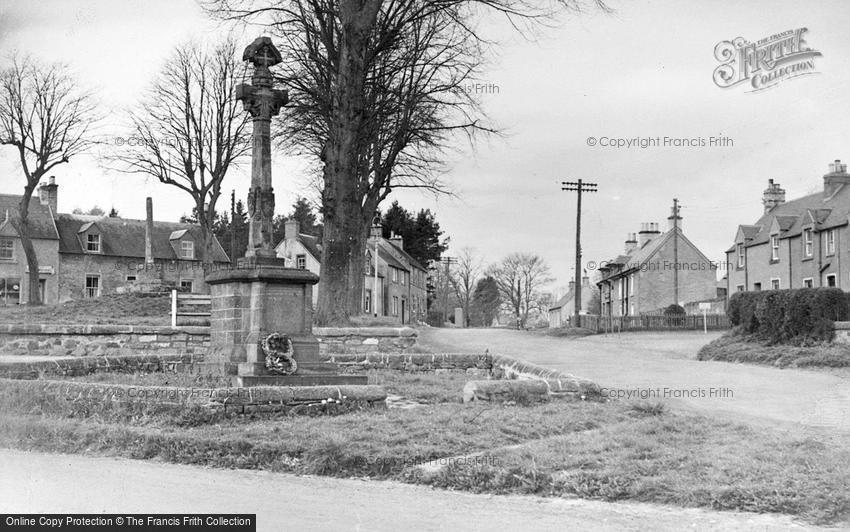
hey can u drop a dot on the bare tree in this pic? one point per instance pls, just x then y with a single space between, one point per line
520 277
464 278
379 90
48 120
191 130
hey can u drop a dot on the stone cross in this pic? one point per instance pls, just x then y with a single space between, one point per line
262 102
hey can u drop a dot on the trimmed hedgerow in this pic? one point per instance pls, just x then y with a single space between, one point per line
799 317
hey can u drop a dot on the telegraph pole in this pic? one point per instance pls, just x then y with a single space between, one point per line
675 217
448 261
233 226
579 187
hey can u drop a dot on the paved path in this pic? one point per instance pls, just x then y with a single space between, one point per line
41 483
655 361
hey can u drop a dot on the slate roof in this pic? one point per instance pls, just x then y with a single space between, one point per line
566 298
40 218
641 255
792 216
312 245
123 237
413 262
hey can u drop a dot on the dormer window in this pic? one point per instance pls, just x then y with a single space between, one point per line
808 242
93 243
187 250
7 249
774 247
830 242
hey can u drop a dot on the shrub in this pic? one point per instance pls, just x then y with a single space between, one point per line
674 310
801 317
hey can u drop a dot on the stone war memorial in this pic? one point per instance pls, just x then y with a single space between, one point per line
262 317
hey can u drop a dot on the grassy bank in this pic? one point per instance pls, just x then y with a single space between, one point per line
122 309
736 347
607 451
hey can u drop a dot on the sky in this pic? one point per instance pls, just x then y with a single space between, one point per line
643 71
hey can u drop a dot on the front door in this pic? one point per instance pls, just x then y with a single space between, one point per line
404 311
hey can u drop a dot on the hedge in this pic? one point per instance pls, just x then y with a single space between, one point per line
799 317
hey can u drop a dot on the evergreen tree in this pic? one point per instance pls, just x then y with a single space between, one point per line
486 301
422 234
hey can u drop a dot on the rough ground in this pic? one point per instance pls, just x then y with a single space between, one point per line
33 482
790 398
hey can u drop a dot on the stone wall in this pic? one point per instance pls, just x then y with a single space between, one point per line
99 340
842 332
359 340
27 368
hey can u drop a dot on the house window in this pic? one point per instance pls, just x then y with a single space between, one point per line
395 305
740 248
93 243
807 242
808 283
632 284
186 285
403 278
830 242
367 302
187 250
830 280
395 275
774 247
757 287
7 249
131 278
301 262
10 291
92 286
740 288
774 284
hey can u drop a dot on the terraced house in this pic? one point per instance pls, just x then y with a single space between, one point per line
87 256
800 243
657 269
396 289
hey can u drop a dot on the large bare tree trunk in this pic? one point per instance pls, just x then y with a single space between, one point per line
343 245
33 292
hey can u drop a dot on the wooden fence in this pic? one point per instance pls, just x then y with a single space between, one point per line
196 307
655 323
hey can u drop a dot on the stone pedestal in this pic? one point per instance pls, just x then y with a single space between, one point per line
257 298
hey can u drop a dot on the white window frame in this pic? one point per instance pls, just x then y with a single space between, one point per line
190 282
96 242
187 250
777 281
774 247
632 284
301 262
10 247
740 288
830 242
87 290
808 242
395 305
367 301
808 282
395 274
741 255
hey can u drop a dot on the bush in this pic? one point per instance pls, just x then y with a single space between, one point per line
674 310
800 317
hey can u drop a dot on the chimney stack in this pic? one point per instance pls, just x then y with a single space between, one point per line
773 195
398 240
48 193
648 231
631 242
149 230
291 228
836 177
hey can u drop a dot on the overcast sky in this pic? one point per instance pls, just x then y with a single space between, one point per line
644 71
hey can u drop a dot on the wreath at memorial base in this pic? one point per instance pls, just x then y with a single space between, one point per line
278 350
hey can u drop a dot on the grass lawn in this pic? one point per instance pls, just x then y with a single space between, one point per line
609 451
122 309
736 347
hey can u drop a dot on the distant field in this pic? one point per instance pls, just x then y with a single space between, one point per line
131 309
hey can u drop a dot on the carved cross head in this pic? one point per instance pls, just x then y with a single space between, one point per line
262 53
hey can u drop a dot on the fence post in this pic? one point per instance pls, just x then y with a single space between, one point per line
174 309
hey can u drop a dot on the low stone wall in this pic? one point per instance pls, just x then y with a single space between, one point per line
112 340
101 340
365 339
62 395
74 366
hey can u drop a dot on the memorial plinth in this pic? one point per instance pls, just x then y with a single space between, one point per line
257 298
